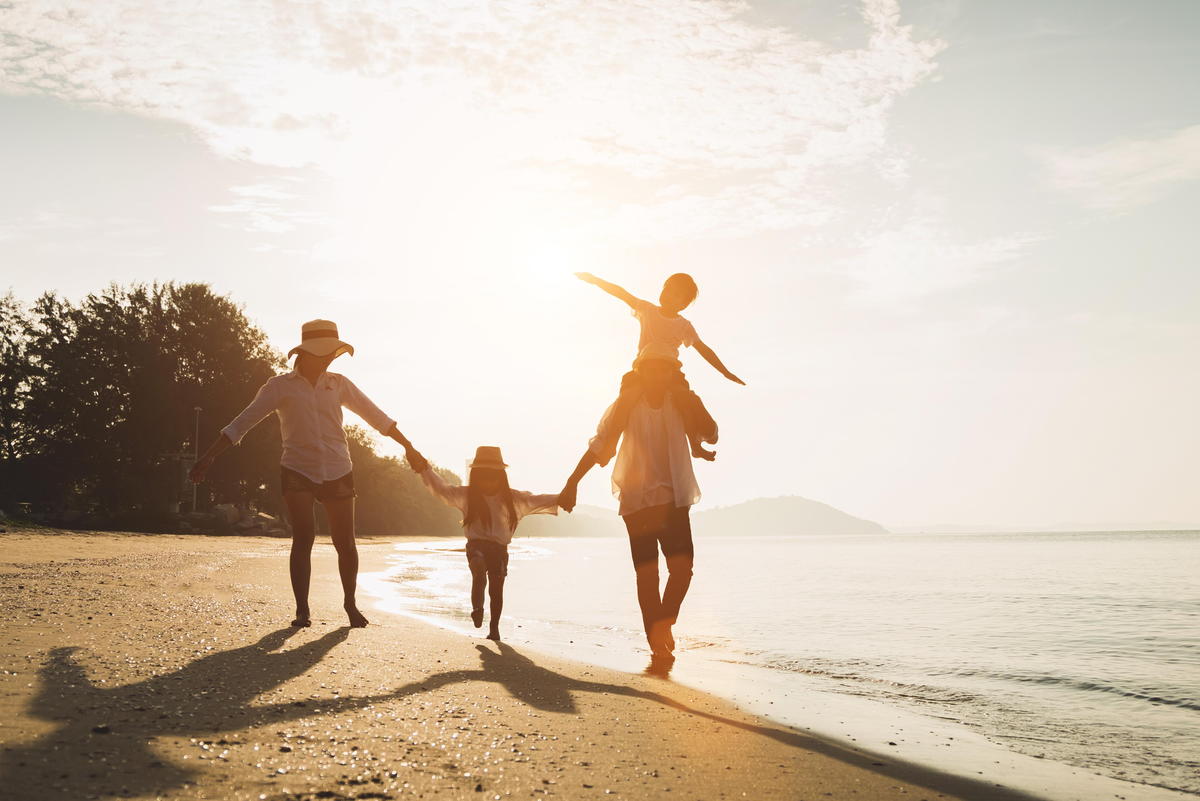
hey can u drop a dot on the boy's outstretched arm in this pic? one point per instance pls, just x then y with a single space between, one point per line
715 361
618 292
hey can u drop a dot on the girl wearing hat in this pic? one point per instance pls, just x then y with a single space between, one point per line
315 465
491 511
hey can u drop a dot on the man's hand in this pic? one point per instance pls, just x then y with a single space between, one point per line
199 469
566 498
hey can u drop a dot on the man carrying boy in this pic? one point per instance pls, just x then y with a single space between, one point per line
663 331
654 481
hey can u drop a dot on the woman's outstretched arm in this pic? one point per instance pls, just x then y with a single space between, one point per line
200 468
265 401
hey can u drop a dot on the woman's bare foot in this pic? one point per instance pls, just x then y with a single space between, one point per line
494 634
357 619
303 619
477 618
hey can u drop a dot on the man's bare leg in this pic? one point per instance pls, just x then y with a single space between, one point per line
341 530
300 513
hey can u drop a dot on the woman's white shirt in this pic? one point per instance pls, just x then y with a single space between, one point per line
310 421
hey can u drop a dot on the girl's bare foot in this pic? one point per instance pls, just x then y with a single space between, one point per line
494 634
357 619
303 619
477 618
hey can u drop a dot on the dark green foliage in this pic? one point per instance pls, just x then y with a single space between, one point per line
96 408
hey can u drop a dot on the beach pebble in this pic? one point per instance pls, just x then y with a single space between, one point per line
103 728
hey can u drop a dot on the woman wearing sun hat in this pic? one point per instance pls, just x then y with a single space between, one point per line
491 512
315 464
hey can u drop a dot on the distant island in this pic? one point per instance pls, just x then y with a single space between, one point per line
762 516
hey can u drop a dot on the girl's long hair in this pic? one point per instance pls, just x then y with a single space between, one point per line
477 505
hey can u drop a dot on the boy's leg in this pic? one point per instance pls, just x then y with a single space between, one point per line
697 422
341 529
479 579
300 514
627 398
497 571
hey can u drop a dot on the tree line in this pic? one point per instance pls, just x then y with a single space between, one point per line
98 420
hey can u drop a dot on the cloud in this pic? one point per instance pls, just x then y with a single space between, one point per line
657 118
917 258
1126 173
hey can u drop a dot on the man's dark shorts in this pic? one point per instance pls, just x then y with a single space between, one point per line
337 489
668 527
487 555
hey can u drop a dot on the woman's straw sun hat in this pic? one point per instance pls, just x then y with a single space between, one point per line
320 338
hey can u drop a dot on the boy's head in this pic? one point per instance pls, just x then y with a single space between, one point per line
678 292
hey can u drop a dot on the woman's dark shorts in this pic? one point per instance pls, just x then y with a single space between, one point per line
487 555
337 489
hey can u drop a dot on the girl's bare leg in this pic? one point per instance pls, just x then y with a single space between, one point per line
341 529
300 513
496 594
478 585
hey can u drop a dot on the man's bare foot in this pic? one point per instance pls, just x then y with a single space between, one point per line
477 618
494 634
660 665
303 619
357 619
662 642
699 452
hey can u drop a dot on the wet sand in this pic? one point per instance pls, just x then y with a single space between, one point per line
162 667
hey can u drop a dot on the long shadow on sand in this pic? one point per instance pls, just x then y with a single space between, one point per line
214 694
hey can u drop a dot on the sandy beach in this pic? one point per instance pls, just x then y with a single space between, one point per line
153 666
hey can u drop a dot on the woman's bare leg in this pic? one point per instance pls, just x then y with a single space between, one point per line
300 513
341 529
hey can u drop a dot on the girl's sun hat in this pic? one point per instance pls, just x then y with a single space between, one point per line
487 456
320 338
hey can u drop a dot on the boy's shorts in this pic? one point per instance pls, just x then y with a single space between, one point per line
487 555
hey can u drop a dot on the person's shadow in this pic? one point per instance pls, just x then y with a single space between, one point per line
101 745
105 733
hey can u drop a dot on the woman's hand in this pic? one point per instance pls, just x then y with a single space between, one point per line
588 277
199 469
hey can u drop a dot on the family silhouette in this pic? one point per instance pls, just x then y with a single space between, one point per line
655 427
212 700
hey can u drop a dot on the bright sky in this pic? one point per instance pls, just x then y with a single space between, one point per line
949 244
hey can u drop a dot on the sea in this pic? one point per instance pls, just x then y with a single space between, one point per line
1063 664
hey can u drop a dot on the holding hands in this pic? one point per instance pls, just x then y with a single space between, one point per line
416 461
566 497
